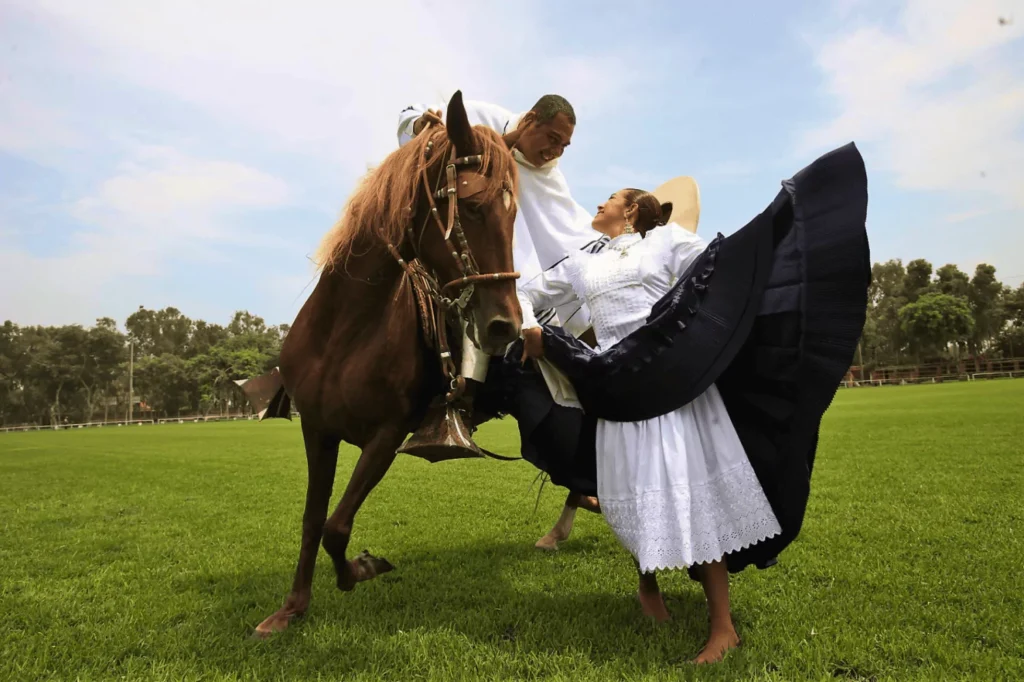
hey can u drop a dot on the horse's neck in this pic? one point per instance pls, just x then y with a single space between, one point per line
363 283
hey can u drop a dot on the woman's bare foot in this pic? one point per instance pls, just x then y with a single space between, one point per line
653 605
651 601
589 503
714 577
720 641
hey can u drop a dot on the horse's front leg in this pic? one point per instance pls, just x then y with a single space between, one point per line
373 463
321 460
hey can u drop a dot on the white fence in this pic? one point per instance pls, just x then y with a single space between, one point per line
135 422
907 381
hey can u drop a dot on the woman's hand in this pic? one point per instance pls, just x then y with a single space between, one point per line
533 344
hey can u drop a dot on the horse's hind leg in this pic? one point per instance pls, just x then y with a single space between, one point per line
321 460
373 463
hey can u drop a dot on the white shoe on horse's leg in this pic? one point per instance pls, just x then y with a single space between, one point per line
560 531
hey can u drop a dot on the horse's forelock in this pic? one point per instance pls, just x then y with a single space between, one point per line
379 207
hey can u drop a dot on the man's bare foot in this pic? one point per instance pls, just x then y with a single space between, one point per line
550 541
653 605
719 642
560 531
589 503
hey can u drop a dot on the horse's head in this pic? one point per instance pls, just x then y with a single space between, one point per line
463 225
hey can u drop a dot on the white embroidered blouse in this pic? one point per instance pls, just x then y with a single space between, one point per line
620 284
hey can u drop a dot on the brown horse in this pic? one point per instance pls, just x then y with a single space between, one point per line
358 360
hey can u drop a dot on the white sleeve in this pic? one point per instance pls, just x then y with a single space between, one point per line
549 289
479 113
491 115
406 119
679 246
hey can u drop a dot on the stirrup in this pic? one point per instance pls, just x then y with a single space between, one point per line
442 435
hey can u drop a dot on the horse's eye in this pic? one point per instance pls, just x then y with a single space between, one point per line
472 210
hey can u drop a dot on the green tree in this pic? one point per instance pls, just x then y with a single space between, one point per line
935 322
1011 336
918 279
155 332
984 295
204 337
166 384
102 362
882 340
952 280
12 359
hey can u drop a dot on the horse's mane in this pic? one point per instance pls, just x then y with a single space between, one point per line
379 208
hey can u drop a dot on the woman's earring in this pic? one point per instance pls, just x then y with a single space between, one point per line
628 229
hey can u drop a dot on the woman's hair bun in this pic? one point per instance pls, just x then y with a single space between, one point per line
666 213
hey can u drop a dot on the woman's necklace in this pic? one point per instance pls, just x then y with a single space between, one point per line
624 250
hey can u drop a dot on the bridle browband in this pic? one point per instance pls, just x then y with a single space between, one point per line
462 179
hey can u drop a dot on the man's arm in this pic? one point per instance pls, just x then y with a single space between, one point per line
406 120
494 117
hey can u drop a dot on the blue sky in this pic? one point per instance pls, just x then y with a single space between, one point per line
193 153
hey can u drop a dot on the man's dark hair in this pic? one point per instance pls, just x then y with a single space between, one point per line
549 106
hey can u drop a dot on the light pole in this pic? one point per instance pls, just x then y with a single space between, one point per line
131 374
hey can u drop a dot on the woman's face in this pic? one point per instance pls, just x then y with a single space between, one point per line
611 215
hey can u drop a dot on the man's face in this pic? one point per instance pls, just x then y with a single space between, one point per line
542 143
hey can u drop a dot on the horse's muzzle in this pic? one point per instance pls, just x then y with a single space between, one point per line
498 334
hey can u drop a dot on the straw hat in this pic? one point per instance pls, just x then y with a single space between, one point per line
684 194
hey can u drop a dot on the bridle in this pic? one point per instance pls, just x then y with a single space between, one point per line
462 179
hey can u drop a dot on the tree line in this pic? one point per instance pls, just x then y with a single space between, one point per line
919 315
177 366
180 366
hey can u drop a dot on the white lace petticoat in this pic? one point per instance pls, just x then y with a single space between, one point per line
689 524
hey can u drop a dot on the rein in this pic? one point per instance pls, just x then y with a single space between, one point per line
433 300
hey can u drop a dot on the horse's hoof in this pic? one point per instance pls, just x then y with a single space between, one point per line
362 568
368 566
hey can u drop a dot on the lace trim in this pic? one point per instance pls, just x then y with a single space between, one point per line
692 524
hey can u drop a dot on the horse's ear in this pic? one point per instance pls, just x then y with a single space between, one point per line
460 132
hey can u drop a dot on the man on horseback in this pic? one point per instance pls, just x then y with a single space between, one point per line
549 224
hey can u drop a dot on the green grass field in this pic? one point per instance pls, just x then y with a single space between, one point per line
150 553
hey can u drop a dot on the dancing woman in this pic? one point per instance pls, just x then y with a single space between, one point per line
677 489
715 364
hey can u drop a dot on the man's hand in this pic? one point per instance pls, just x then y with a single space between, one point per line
533 344
432 116
512 137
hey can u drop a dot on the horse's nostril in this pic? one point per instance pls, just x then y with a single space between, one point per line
501 330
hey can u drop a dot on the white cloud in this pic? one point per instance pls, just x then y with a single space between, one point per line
324 78
612 177
26 127
964 216
317 83
160 183
730 170
161 207
935 100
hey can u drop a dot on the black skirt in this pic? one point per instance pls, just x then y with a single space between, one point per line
771 315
